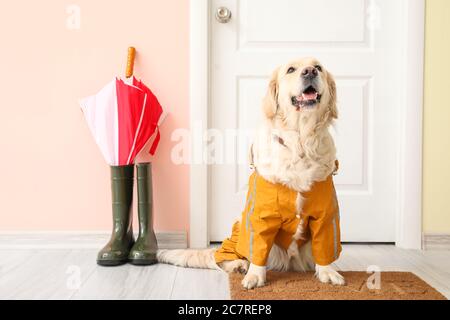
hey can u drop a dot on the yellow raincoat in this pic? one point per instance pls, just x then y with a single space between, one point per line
270 217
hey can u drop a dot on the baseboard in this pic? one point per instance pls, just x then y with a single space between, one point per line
79 240
436 241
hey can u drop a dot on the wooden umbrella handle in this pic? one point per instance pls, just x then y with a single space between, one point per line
130 62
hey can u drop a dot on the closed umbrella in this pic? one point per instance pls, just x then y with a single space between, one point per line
122 117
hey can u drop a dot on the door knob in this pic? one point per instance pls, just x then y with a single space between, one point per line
223 15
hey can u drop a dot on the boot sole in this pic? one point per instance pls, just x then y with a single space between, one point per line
111 263
140 262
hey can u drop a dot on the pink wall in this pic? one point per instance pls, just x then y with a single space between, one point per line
53 176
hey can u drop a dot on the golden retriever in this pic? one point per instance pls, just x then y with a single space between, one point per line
298 109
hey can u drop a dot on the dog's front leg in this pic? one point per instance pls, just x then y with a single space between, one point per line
255 277
327 274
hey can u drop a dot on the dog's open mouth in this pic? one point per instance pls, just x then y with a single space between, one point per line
308 99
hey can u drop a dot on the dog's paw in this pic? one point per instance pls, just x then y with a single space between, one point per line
237 266
251 281
255 277
326 274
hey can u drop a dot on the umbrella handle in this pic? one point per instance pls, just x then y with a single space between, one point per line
130 62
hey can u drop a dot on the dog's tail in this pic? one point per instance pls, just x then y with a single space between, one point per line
189 258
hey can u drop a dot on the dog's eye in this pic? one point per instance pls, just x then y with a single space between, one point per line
290 70
318 68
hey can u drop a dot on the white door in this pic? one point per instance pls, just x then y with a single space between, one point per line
357 40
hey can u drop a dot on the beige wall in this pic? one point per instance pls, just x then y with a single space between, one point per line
53 176
436 172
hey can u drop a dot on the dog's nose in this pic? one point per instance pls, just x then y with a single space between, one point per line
309 73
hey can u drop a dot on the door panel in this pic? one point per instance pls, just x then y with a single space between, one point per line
260 22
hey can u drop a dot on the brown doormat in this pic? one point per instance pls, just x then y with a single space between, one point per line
304 286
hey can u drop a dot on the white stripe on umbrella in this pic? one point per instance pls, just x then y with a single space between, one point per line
138 129
101 114
116 126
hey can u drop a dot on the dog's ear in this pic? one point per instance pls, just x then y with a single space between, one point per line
270 101
332 106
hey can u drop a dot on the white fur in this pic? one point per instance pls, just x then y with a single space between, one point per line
327 274
255 277
239 265
203 259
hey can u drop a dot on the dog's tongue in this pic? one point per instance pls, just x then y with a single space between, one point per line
309 96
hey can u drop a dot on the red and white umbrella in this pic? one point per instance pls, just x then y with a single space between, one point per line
122 117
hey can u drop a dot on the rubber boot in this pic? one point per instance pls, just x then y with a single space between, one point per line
144 250
118 248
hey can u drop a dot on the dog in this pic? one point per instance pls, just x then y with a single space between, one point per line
291 216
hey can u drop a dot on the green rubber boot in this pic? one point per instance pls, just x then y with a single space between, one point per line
117 249
144 250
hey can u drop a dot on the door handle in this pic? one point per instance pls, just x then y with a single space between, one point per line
223 14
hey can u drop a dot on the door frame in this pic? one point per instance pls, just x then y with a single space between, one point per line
409 211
